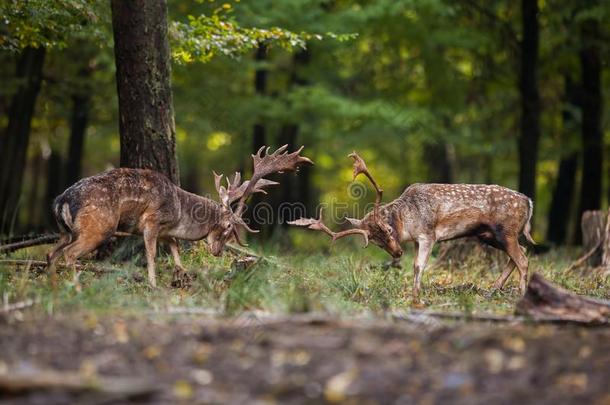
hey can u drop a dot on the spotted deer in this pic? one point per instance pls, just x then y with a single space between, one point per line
429 213
139 201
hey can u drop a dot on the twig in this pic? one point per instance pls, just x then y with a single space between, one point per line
580 261
38 240
41 240
75 382
18 305
41 263
484 317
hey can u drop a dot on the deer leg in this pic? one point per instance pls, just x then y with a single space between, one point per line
518 257
64 240
499 283
83 244
424 248
173 247
150 234
181 277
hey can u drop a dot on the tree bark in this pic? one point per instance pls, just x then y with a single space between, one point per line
593 225
530 100
78 128
544 301
294 190
440 167
258 135
591 100
563 193
143 72
54 185
14 143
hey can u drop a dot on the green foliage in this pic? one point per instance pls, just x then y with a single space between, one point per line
348 281
203 37
50 24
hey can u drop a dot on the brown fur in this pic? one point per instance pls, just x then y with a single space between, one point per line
147 203
427 213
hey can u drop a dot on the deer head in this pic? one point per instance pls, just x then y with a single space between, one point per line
230 220
375 226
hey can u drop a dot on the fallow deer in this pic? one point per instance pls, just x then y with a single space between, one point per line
145 202
428 213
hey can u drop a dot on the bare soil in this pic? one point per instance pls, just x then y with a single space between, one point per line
305 359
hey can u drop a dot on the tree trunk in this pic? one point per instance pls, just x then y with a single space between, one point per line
591 100
143 72
14 144
593 225
36 172
254 214
563 193
80 118
545 301
54 185
440 167
294 190
530 101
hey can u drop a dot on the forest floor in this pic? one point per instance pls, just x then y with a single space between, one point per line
300 328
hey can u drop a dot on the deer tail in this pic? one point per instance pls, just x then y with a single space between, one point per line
61 209
528 225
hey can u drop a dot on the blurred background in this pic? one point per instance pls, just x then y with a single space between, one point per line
472 91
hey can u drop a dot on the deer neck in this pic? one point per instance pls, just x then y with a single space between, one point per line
400 216
198 216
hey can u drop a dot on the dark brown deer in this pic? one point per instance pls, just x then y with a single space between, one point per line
145 202
428 213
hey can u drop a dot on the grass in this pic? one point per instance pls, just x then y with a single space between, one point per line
343 280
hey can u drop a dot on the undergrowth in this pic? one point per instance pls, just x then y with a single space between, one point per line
344 280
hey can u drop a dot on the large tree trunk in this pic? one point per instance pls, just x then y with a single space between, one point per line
530 101
563 193
14 143
146 114
440 167
591 101
80 118
294 193
254 214
54 185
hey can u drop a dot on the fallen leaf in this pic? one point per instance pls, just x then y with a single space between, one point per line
183 389
120 331
494 359
202 377
152 352
336 387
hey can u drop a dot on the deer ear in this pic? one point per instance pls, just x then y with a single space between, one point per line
354 221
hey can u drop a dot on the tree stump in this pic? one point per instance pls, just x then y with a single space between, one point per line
593 225
605 245
546 301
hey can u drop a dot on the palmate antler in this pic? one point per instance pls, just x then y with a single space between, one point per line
318 225
235 190
276 162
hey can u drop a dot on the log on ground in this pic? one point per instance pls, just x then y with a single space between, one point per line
544 300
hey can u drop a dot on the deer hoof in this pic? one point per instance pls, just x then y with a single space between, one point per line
181 278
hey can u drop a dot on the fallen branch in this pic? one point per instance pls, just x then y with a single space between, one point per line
544 300
42 264
580 261
458 316
36 241
26 242
6 308
126 387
